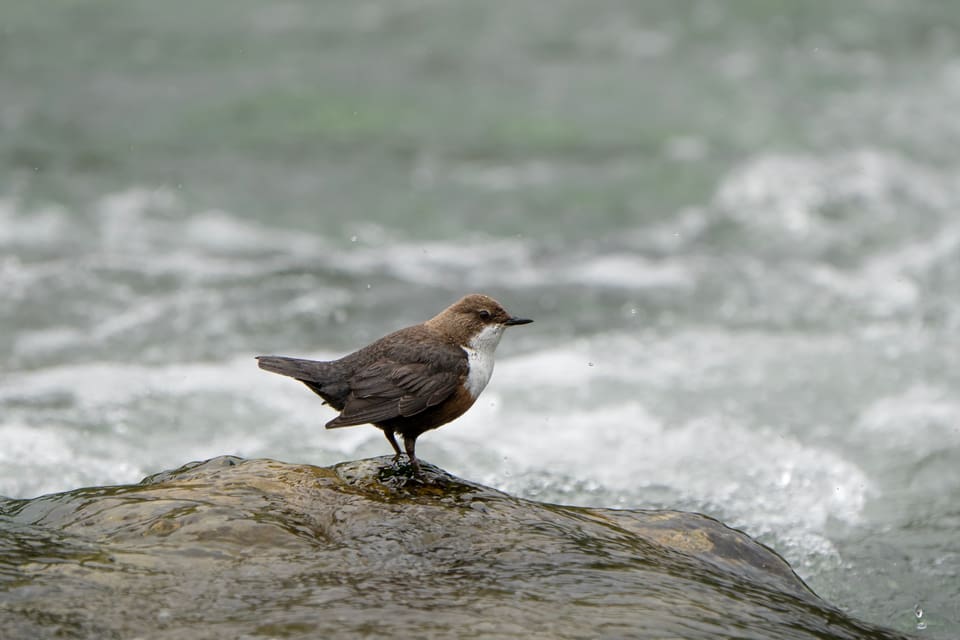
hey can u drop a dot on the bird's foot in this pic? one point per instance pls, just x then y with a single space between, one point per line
406 473
417 471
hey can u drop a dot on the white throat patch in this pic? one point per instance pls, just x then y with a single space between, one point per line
480 357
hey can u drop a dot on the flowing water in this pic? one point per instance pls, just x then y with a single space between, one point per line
736 224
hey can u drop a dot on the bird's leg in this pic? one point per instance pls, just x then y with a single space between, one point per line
409 443
393 443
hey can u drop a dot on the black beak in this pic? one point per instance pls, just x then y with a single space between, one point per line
514 321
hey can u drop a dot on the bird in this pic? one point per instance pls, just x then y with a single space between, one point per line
412 380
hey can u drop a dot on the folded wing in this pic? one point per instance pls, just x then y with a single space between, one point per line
391 389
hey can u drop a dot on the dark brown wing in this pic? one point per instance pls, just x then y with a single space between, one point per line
393 388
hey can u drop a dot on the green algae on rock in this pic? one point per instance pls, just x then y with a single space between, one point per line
260 548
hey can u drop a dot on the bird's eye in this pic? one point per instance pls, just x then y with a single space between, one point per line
484 314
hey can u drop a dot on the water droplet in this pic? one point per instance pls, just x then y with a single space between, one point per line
918 612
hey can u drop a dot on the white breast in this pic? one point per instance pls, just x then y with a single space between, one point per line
480 358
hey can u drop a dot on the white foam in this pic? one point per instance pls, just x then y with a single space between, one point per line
47 341
142 419
38 445
756 476
93 385
38 460
916 423
791 194
629 271
473 262
890 220
42 228
222 232
506 177
783 205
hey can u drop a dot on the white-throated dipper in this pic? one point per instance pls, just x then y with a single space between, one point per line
411 380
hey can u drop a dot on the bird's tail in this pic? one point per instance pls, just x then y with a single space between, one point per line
304 370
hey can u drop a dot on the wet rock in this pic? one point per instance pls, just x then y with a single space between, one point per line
232 548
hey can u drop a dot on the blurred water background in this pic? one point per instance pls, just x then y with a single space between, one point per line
737 225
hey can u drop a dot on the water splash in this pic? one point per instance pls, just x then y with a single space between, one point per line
918 614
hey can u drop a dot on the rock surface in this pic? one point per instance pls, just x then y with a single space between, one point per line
232 548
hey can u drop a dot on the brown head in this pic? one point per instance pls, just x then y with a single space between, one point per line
475 320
